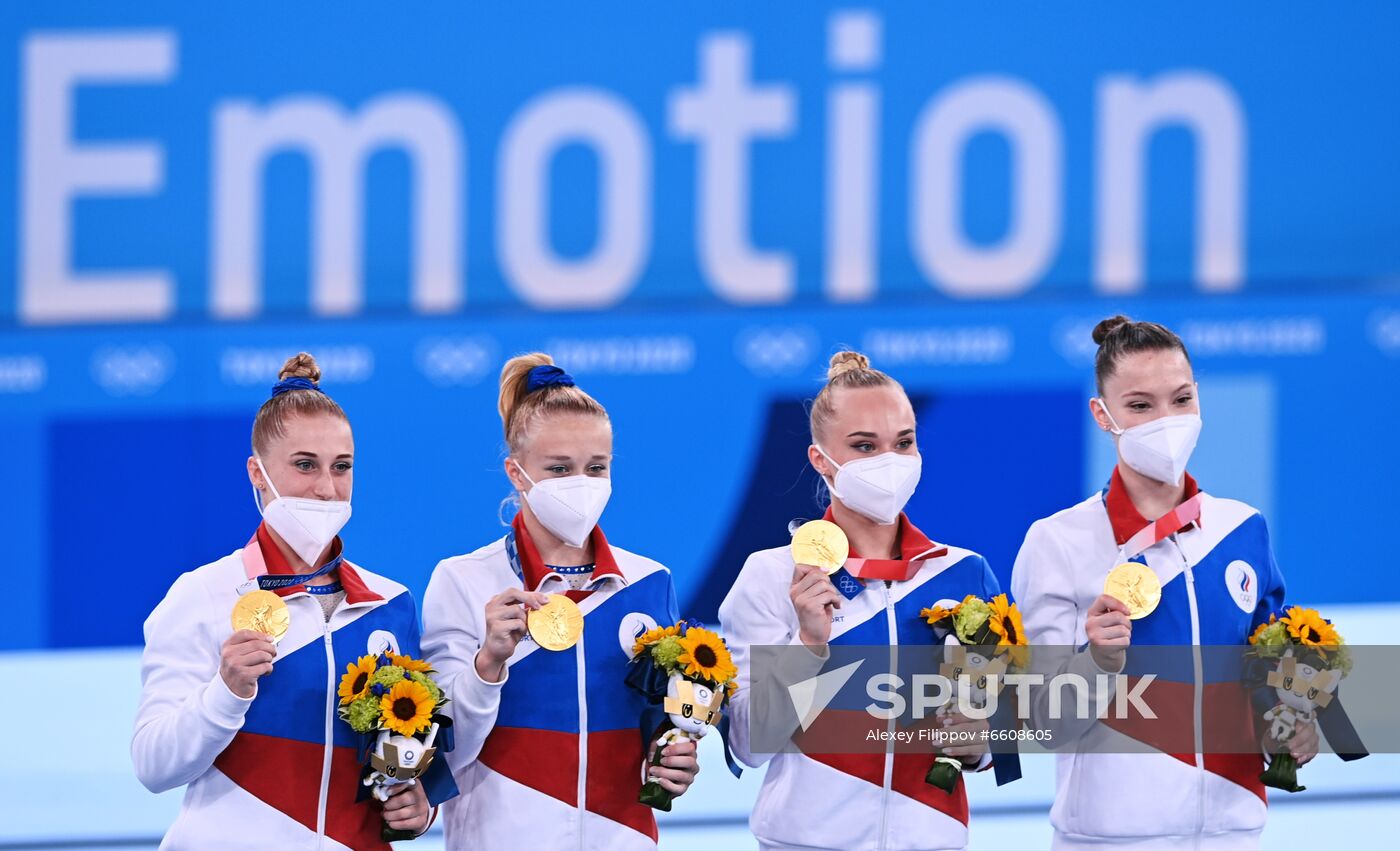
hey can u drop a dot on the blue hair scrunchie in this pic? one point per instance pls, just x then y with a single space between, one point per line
296 382
548 375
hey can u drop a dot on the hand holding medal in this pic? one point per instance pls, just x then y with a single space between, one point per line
1135 585
505 626
1131 591
260 619
819 549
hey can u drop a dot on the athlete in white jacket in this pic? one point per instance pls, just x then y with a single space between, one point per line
1218 580
249 727
863 444
549 751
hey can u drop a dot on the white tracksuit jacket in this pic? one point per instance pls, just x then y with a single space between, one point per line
278 770
551 756
1219 580
854 801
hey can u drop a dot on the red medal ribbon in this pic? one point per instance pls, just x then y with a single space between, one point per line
890 569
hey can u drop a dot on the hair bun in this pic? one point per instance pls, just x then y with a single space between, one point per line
844 362
1108 326
303 365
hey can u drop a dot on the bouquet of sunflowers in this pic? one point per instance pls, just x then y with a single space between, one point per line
1306 659
394 703
688 671
984 639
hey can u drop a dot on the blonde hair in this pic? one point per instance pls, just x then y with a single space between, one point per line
275 413
847 370
522 408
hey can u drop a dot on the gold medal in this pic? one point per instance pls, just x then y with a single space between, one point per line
820 543
262 611
557 624
1136 586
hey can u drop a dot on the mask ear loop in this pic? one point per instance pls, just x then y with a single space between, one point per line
523 473
831 485
1116 429
257 492
833 463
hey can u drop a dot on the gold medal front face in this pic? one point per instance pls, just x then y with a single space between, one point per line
1136 586
820 543
262 611
557 624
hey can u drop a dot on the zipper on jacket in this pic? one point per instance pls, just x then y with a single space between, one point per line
1199 688
330 736
890 726
582 741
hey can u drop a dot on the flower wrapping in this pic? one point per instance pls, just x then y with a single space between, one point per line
394 704
687 676
986 637
1296 663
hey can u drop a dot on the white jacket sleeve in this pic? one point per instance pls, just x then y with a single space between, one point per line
453 621
1042 584
756 612
187 715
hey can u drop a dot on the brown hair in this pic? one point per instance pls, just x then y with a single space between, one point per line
846 370
1118 336
520 407
275 413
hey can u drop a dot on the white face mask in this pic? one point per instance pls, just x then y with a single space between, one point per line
878 487
307 525
568 506
1159 449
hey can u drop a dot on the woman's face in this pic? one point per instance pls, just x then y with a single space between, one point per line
566 445
314 459
1145 386
869 421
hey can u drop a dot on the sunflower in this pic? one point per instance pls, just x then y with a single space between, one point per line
407 708
356 680
1309 629
1005 623
408 663
652 636
938 613
704 655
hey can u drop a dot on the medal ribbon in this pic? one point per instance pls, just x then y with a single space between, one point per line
1161 528
513 556
889 569
272 582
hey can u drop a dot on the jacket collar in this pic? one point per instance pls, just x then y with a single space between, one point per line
261 557
913 544
535 571
1124 517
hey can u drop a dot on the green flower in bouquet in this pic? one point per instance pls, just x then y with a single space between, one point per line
363 714
666 653
970 617
1270 639
386 676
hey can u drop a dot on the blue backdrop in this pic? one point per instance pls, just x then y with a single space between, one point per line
691 208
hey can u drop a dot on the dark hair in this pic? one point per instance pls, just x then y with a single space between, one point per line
1118 335
275 413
